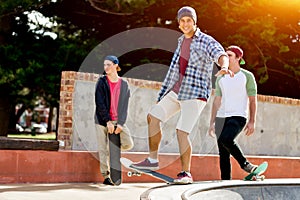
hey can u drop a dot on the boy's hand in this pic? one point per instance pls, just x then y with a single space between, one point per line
110 127
249 129
211 131
119 129
225 71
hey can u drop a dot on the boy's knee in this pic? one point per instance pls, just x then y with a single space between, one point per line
152 119
225 141
127 143
149 118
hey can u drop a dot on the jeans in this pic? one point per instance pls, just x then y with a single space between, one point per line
227 129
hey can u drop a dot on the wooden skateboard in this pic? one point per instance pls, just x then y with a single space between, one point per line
138 172
257 174
114 158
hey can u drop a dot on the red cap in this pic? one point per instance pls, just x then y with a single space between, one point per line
238 52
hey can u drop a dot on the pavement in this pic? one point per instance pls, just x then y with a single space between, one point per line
233 190
74 191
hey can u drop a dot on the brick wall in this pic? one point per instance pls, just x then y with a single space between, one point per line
69 78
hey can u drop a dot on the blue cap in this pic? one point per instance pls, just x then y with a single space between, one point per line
112 58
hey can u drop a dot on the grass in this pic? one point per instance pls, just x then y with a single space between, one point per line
43 136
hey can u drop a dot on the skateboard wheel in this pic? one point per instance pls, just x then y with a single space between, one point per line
258 178
136 173
129 174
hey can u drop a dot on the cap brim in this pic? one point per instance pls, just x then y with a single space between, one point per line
242 61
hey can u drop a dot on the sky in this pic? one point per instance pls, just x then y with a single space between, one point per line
36 18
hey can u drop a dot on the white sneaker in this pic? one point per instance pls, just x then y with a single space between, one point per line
184 178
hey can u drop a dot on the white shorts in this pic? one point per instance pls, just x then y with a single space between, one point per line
168 106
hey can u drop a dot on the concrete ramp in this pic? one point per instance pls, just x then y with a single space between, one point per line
289 192
269 189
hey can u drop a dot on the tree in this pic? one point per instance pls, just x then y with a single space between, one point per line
32 61
268 31
10 56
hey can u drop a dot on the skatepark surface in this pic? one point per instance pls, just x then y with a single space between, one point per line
233 190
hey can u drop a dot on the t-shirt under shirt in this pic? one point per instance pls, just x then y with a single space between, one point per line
114 98
183 62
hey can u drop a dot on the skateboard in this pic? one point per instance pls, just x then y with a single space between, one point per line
138 172
114 158
257 174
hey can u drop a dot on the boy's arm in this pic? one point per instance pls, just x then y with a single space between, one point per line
123 103
100 102
252 95
250 127
223 62
215 107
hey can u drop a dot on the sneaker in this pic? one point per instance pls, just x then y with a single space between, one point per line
146 164
107 181
184 178
249 168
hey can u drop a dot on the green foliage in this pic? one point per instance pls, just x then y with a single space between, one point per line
259 28
15 6
34 61
121 6
44 136
283 48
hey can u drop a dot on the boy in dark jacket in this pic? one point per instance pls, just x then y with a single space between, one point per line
111 98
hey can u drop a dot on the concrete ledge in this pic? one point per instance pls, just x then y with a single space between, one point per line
268 189
17 166
28 144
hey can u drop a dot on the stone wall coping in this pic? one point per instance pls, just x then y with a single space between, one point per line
156 85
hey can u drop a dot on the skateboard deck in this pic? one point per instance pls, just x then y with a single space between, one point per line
138 172
257 173
114 158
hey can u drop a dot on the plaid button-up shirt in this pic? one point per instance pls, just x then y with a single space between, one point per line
196 83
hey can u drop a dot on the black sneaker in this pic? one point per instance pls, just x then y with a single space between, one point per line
107 181
249 167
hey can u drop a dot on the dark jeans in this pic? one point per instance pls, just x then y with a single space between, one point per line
227 129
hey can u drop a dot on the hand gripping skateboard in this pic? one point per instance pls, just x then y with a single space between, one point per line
257 174
138 172
114 158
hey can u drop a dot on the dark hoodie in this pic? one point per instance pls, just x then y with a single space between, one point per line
102 101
